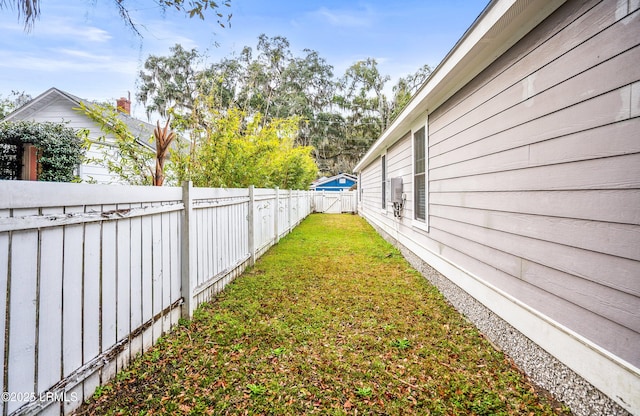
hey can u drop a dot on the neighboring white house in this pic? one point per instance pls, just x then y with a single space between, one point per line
58 106
517 170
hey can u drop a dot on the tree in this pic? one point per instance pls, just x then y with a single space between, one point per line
14 101
406 88
59 149
339 117
365 108
264 80
29 10
169 82
270 81
231 150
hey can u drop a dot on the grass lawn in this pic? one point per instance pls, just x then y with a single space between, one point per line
330 321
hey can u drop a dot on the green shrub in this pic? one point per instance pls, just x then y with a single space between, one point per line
60 149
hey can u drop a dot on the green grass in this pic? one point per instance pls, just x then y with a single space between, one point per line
330 321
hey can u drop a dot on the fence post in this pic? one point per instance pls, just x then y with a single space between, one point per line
187 258
250 218
277 214
298 215
290 210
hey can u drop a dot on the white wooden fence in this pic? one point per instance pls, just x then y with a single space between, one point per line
335 202
92 275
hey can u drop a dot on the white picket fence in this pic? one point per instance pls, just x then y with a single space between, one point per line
335 202
92 275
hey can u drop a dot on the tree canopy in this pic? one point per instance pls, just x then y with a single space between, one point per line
338 116
12 102
230 148
29 10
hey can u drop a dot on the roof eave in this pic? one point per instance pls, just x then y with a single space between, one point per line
36 101
500 25
334 177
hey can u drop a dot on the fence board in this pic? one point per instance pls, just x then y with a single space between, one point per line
156 231
96 273
91 292
166 270
123 287
136 283
109 292
147 281
4 275
22 329
50 308
174 228
208 225
72 299
42 194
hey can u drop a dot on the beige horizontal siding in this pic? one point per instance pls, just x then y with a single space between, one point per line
535 173
372 186
622 240
588 85
622 172
609 108
593 30
482 260
615 206
585 145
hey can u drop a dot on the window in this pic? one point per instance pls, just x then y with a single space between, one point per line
384 181
342 181
419 175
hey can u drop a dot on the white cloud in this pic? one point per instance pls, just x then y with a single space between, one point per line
81 54
67 61
346 18
69 30
13 27
160 35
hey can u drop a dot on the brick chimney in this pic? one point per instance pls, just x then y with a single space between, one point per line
124 105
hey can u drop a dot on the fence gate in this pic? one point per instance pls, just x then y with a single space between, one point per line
331 202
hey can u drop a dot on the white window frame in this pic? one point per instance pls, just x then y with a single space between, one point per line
422 122
383 182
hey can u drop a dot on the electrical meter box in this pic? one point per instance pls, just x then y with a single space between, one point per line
396 190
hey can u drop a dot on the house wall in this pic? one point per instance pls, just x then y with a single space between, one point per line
534 177
335 185
371 188
59 109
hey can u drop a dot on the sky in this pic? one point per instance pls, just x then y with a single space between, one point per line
85 48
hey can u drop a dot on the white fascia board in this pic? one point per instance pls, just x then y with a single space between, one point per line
498 28
32 104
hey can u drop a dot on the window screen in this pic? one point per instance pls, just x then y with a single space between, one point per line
420 188
384 181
